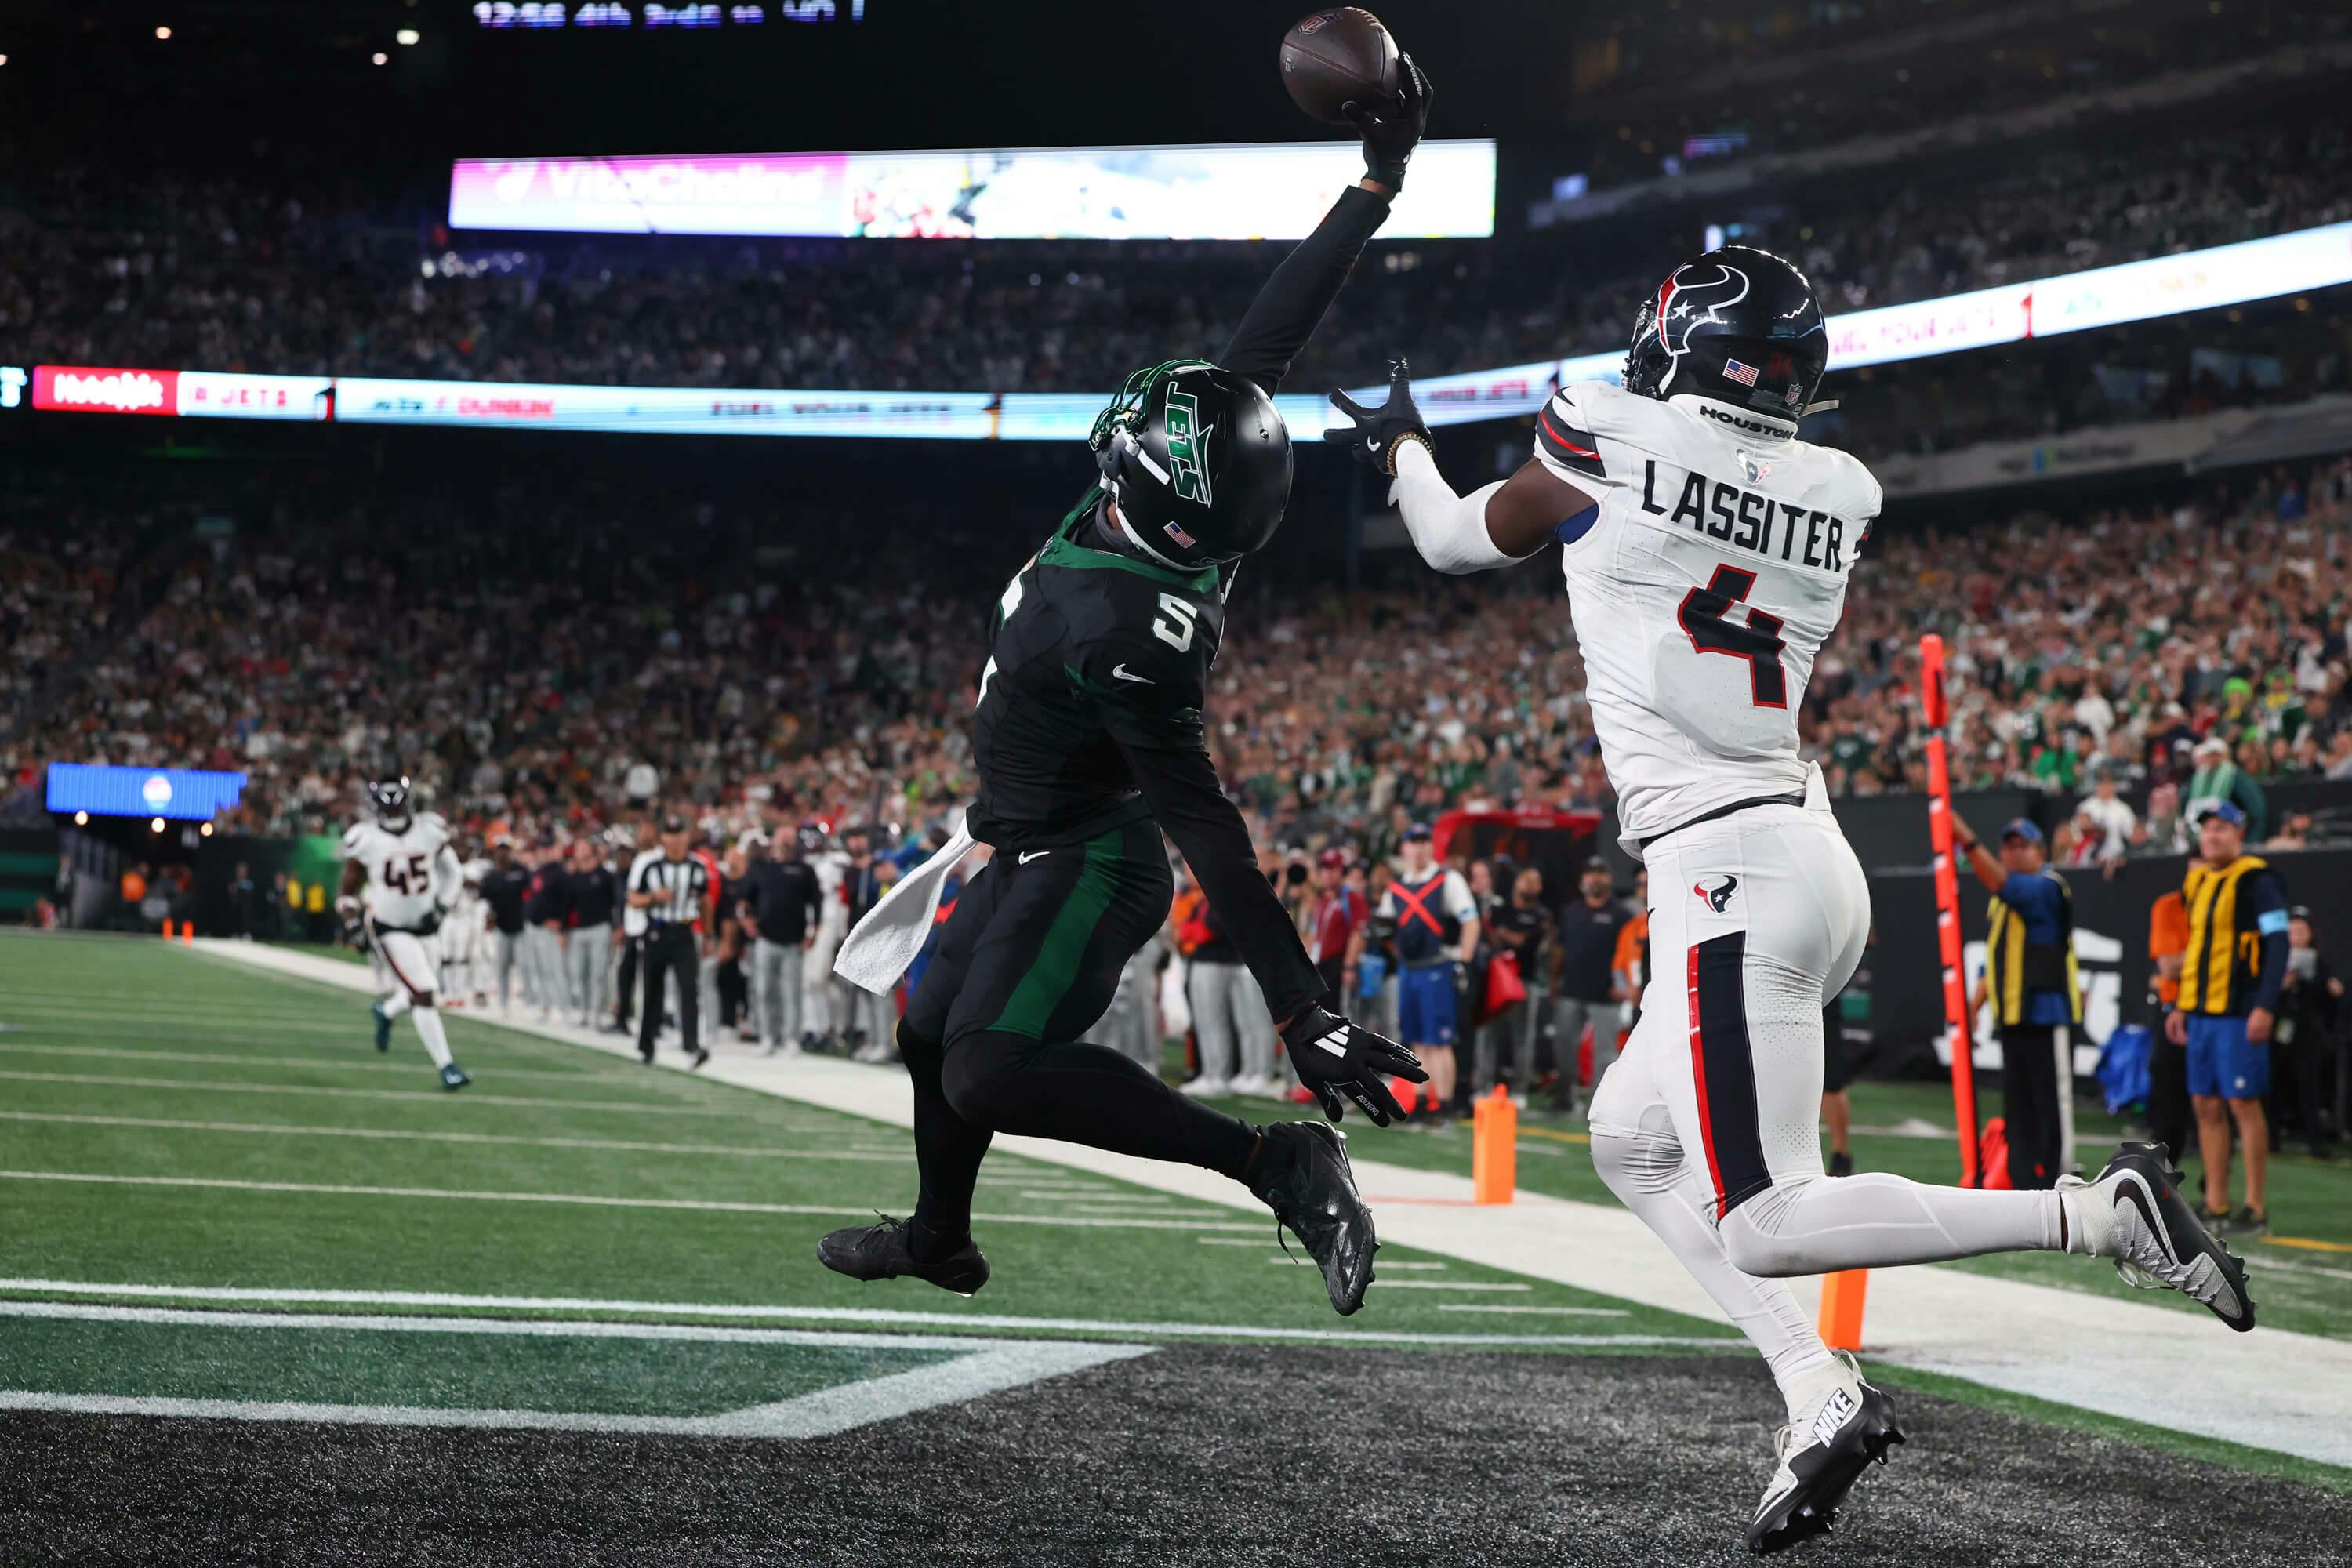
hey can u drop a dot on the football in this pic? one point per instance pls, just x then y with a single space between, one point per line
1335 58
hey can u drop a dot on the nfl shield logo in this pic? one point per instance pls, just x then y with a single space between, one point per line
1745 375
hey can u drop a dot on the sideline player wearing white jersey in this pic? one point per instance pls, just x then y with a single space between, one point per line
400 876
1707 550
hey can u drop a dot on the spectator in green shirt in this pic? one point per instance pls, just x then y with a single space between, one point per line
2218 778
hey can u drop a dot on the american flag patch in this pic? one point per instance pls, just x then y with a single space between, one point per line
1186 540
1745 375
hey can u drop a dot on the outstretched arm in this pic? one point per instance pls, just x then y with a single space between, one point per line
1503 522
1288 310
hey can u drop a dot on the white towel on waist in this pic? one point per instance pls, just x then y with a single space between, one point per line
875 954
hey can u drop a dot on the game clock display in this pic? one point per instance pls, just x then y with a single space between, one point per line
552 16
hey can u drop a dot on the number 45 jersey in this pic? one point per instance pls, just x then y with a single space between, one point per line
1099 663
400 867
1703 586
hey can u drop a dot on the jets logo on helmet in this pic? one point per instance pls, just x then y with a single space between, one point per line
1187 447
1196 463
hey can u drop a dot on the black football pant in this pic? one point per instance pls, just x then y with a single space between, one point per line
1028 963
632 953
2030 1088
671 949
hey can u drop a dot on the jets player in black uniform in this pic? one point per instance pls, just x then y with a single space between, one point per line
1089 739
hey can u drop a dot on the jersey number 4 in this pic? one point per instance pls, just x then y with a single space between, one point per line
1758 641
403 876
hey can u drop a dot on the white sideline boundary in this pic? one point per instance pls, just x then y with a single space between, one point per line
979 1367
2286 1392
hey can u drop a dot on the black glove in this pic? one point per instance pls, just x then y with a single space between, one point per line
355 935
1375 435
1392 125
1336 1057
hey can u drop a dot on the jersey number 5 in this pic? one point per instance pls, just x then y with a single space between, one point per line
414 875
1759 642
1175 624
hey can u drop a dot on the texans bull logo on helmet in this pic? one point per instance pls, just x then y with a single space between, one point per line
1739 325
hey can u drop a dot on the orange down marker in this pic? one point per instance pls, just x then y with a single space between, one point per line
1494 1148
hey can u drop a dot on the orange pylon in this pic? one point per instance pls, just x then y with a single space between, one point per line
1840 1322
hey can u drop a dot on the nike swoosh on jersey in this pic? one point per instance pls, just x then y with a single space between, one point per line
1120 671
1035 854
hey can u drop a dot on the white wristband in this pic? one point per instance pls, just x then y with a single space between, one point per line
1449 531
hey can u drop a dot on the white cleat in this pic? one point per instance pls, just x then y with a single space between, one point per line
2134 1215
1835 1435
1207 1089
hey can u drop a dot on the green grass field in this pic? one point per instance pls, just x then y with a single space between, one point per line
208 1135
194 1155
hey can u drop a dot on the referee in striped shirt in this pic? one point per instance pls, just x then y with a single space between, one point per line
674 889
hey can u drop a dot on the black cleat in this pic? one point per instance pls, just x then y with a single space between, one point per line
2155 1237
883 1251
1313 1191
1822 1453
696 1058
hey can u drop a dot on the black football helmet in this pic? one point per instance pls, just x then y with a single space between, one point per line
390 799
1740 325
1198 460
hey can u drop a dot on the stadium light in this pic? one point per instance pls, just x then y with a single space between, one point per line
162 33
206 830
156 826
405 35
380 57
81 820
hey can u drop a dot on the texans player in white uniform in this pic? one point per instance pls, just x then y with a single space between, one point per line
400 876
1707 551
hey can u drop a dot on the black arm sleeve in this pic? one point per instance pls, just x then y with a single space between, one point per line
1182 786
1288 310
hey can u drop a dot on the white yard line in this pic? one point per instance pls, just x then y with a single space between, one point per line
278 1059
868 1315
1534 1311
979 1367
2270 1389
629 1107
618 1145
591 1200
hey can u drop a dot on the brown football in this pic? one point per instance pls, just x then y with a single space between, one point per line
1335 58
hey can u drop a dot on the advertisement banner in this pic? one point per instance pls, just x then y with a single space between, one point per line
2193 280
182 795
1265 191
84 390
205 393
675 410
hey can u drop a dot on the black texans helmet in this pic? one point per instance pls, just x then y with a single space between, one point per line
1198 460
1740 325
390 799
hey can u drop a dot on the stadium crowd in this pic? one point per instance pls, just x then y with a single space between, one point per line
221 274
552 667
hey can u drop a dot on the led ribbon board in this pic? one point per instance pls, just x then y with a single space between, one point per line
2080 301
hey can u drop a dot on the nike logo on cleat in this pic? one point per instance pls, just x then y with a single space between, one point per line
2131 1192
1834 1414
